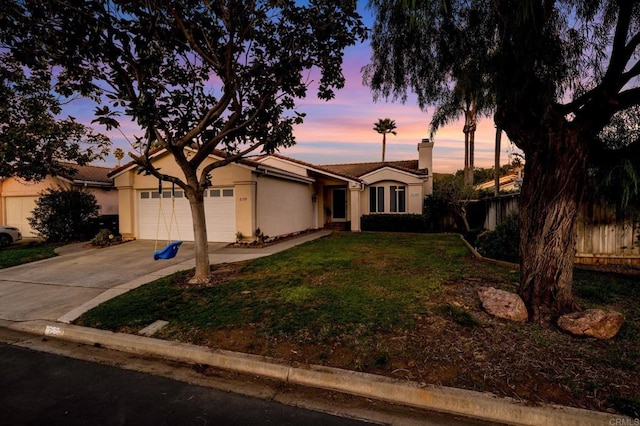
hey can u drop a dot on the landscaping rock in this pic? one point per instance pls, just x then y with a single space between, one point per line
503 304
592 322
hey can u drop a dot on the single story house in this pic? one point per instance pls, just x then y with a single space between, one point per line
273 193
18 197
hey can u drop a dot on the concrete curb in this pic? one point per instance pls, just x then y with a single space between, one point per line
460 402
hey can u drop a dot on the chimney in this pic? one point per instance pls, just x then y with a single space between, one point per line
425 155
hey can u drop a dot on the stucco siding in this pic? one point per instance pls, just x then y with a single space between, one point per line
107 200
18 197
284 206
416 190
413 198
223 176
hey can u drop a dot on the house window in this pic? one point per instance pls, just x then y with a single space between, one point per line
214 193
227 192
398 198
376 199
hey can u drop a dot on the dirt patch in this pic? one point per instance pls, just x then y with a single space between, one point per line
443 347
264 241
219 275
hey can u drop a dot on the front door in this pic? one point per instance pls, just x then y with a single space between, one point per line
339 203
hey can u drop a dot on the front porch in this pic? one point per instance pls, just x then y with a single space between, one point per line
339 205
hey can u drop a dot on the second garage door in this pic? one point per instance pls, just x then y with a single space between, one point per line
220 211
19 209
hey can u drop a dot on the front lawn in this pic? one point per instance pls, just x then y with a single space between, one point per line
399 305
14 255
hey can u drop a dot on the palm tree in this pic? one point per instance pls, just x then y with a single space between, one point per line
470 95
119 154
384 126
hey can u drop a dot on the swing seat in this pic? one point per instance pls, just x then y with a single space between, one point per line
168 252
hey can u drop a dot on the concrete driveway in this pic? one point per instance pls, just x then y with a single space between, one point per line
64 287
50 288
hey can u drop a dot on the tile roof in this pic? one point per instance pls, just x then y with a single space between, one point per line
351 171
361 169
88 173
509 182
162 150
309 165
356 170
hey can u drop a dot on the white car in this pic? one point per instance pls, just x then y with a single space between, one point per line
8 235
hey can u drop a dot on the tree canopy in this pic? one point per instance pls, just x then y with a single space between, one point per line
197 77
35 140
558 71
439 54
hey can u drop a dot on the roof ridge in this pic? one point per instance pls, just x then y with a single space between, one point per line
85 165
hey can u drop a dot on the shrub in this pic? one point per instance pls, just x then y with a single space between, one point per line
108 221
105 237
435 212
64 215
503 243
394 223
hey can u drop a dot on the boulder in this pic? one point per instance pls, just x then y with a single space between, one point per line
592 322
503 304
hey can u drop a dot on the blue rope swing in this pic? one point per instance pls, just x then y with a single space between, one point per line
171 249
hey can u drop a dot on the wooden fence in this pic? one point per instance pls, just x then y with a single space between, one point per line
601 239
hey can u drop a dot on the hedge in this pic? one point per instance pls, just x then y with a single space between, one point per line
394 223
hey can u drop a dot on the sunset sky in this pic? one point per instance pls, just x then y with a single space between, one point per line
341 131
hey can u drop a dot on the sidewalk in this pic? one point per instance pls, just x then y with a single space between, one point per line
475 405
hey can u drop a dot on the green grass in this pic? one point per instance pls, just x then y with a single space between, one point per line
603 288
19 254
395 302
376 280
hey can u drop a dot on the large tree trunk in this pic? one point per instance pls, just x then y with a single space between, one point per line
496 170
470 124
472 143
202 271
551 194
466 158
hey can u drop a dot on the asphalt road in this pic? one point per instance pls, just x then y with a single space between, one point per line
42 388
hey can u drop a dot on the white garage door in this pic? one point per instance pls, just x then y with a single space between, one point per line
220 211
18 210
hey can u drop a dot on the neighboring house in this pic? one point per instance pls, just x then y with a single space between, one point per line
508 183
273 193
18 197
